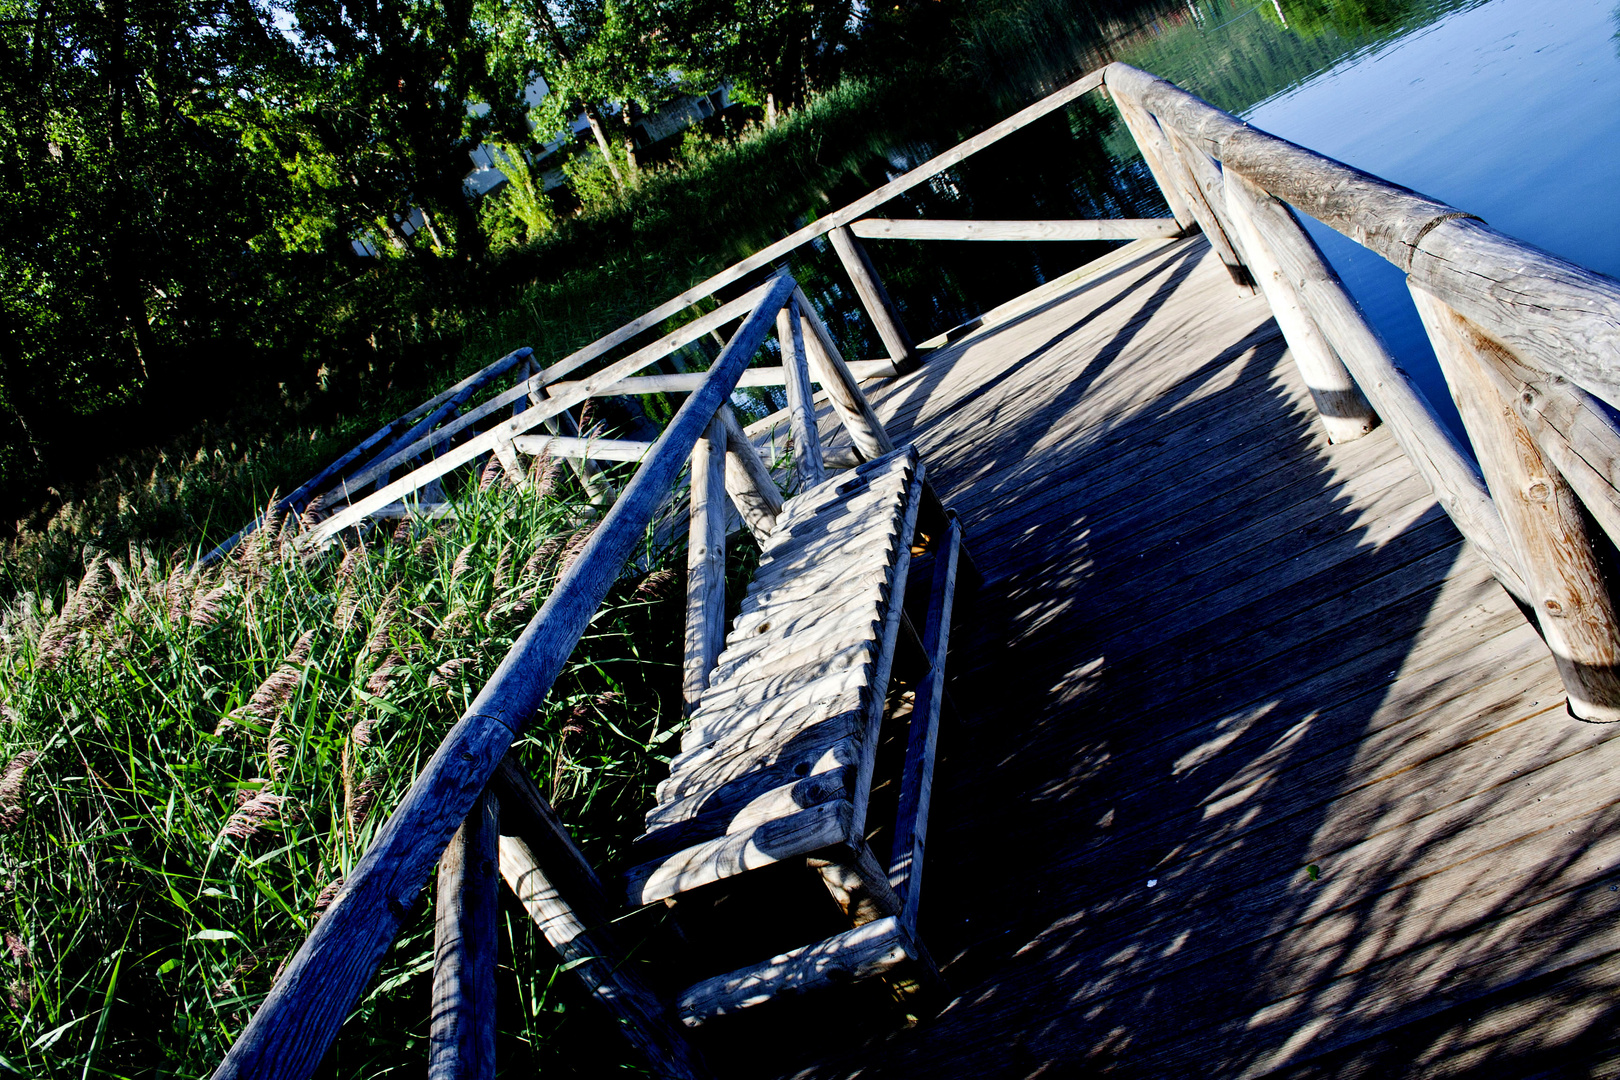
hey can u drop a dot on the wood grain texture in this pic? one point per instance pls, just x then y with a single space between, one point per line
1540 513
565 446
749 482
1159 155
290 1032
461 1036
873 949
1055 229
560 892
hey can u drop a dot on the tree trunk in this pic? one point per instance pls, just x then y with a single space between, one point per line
602 144
770 109
630 141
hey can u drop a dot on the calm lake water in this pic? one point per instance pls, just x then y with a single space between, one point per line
1509 109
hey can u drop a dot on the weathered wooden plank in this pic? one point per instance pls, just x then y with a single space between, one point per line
837 693
1052 229
874 298
876 948
733 783
799 739
565 446
461 1038
290 1032
705 564
1540 513
1343 410
687 381
917 776
807 467
791 837
851 668
795 795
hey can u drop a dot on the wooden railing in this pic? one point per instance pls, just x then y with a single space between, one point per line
1522 337
1525 341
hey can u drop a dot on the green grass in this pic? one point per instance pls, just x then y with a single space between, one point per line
194 761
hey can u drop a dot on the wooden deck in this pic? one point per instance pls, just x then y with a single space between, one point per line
1213 651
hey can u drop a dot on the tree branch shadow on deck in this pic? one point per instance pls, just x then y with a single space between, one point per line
1210 664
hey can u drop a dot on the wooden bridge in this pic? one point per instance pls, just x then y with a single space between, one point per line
1277 737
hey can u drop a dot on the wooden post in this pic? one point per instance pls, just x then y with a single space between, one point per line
1209 185
807 465
1182 178
1541 514
842 389
875 299
1343 410
461 1041
591 478
1427 442
705 564
1158 155
749 482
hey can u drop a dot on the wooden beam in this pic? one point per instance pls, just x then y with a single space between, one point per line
749 481
917 776
1061 229
841 383
705 563
560 891
1209 188
874 298
1573 430
807 467
292 1029
461 1039
1159 156
1343 410
1541 515
687 381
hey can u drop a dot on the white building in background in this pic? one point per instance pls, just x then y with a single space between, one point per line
671 119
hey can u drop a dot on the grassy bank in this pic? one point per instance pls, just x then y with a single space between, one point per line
192 761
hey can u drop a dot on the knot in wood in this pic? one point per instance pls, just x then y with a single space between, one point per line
1554 608
1539 491
1529 399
